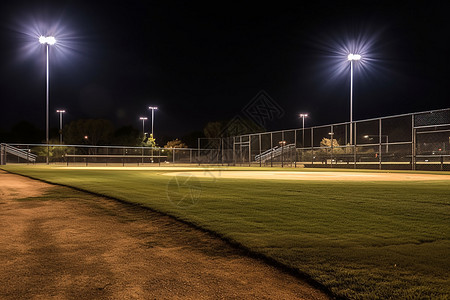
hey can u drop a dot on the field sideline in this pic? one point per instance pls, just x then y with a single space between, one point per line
376 238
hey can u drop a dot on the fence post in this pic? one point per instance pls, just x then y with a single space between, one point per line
271 150
2 155
312 145
379 140
295 147
260 146
249 150
198 151
354 147
413 144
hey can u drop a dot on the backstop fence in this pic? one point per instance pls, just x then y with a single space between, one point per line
410 141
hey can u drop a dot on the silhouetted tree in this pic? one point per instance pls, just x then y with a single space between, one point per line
91 131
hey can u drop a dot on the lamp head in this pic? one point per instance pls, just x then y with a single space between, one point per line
49 40
352 56
152 107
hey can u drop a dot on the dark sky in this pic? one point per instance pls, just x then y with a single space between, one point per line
206 61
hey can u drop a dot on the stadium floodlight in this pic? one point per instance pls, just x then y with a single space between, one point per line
47 41
303 116
352 57
50 40
60 111
143 126
153 108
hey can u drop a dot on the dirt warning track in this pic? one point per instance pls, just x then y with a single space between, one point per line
62 244
321 176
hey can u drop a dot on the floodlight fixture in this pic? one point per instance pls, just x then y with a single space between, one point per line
352 56
49 40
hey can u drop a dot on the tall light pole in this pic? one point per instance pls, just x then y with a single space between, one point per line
153 108
60 111
352 57
47 41
303 116
143 126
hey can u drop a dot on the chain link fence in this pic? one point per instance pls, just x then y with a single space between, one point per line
411 141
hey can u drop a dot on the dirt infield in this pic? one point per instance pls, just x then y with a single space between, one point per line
322 176
62 244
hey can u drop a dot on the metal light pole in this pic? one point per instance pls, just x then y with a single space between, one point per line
47 41
60 111
352 57
143 126
303 116
153 108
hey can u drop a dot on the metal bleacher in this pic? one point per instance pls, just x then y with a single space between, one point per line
273 153
24 154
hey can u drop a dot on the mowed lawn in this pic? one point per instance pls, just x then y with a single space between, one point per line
360 239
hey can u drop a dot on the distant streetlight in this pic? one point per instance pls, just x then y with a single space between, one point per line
352 57
303 116
153 108
370 137
47 41
143 126
60 111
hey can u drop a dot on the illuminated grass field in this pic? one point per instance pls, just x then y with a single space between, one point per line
361 239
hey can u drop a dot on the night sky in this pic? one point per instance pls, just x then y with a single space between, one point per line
206 61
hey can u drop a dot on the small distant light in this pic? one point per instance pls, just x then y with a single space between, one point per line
352 56
85 137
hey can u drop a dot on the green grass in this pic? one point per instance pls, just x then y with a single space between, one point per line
374 240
